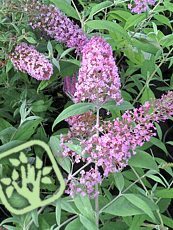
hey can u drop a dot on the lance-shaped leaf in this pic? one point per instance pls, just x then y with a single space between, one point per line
72 110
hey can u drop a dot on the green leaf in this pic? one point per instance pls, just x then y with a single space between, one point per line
26 130
121 15
46 220
147 95
122 207
167 221
69 206
35 215
50 49
6 134
31 40
165 193
115 109
23 158
99 7
9 66
46 180
56 63
40 106
66 8
163 20
9 191
136 222
68 67
148 66
14 162
141 204
107 25
75 148
6 181
118 225
159 144
143 160
156 178
4 124
84 205
46 170
44 84
39 163
89 225
15 174
168 5
134 20
67 51
164 165
75 225
64 162
112 108
72 110
159 130
167 40
125 106
119 181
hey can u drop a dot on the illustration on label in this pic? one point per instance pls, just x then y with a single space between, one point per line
21 191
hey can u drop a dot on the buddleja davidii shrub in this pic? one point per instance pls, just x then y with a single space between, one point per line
88 178
106 147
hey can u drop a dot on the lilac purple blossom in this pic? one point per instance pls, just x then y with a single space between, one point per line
85 184
140 6
117 142
51 21
28 60
98 79
69 86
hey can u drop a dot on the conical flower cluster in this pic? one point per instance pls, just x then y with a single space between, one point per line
28 60
98 79
51 21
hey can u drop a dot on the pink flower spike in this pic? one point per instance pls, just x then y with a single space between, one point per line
98 79
28 60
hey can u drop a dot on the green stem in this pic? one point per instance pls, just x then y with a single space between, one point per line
30 223
120 194
66 222
144 187
74 174
96 169
80 18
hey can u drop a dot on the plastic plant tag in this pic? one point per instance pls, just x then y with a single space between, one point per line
21 191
